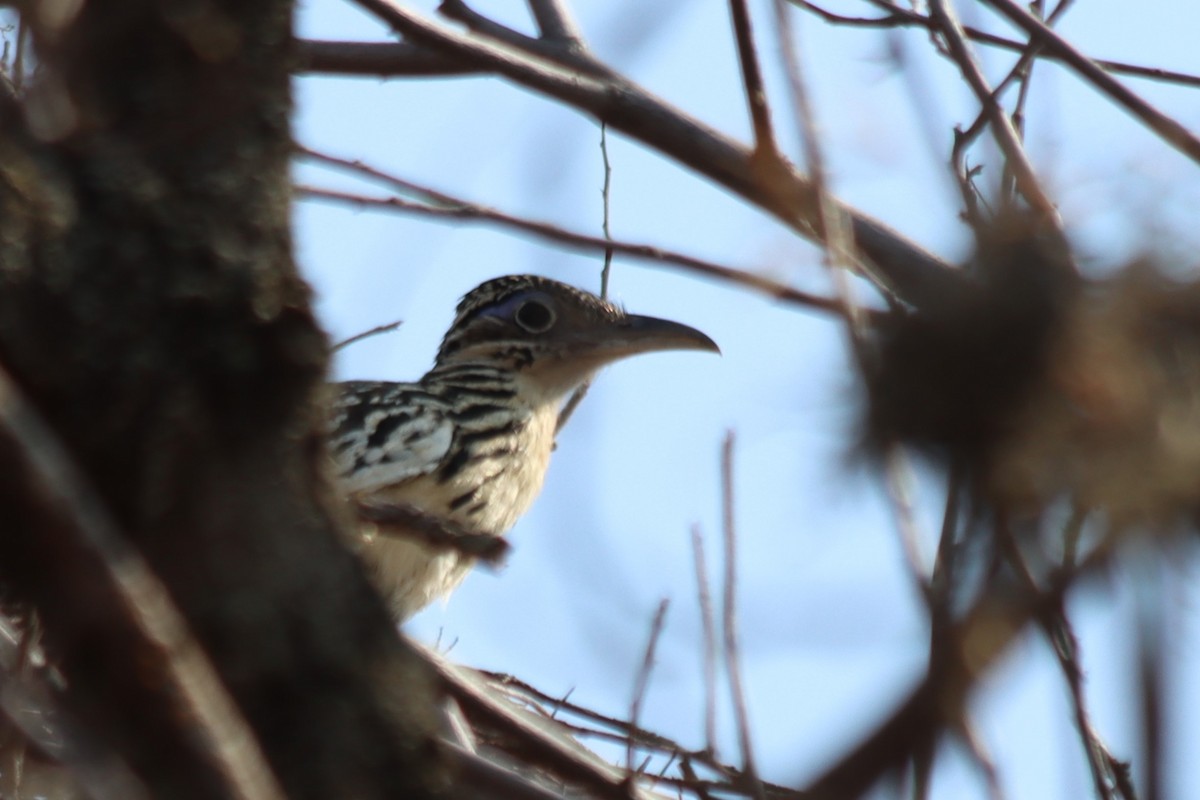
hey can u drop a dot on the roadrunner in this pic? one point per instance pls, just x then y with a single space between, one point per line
469 443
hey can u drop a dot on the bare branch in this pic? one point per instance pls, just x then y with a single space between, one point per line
412 523
756 96
767 286
729 614
1002 127
896 16
709 642
387 327
895 264
1166 128
554 22
376 59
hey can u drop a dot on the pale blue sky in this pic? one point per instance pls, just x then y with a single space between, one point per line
832 632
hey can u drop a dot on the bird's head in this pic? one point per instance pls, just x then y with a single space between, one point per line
552 335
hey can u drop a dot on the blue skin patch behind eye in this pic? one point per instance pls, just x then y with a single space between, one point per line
508 308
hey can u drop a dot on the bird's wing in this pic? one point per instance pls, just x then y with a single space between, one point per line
386 433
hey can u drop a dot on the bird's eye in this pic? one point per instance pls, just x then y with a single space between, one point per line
535 316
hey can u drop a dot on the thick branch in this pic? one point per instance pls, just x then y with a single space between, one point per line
895 263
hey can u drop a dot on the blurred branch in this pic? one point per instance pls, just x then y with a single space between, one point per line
896 16
733 667
1002 128
895 264
765 148
387 327
969 649
963 139
376 59
727 780
1102 765
709 642
407 522
72 521
774 289
554 22
1163 126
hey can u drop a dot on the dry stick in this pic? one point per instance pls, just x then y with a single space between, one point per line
1166 128
565 759
896 17
387 327
1002 128
621 731
1151 667
756 96
839 249
979 754
642 681
555 23
1024 78
458 208
839 254
962 140
213 718
709 653
729 615
992 625
1065 645
896 265
568 51
410 523
377 59
579 241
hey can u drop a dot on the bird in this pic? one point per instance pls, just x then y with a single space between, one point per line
468 444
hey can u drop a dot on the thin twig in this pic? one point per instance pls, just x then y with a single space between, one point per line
404 521
964 138
1165 127
896 265
982 758
387 327
708 642
458 208
729 615
993 623
750 280
606 201
898 479
377 60
1002 127
562 46
756 95
642 681
1061 636
541 740
555 23
896 16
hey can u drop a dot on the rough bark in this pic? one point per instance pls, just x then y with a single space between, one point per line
151 309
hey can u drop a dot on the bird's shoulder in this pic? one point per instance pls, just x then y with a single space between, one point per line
384 433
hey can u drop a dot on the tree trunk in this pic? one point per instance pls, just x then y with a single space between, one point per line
151 310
